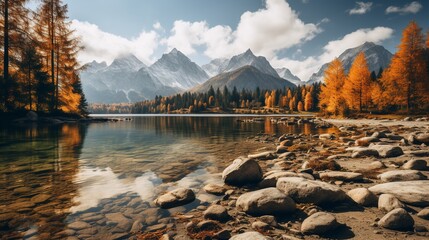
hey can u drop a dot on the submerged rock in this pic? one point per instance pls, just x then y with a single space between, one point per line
214 189
242 172
217 212
175 198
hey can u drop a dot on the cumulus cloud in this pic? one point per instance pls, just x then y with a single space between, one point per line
266 31
333 49
103 46
361 8
413 8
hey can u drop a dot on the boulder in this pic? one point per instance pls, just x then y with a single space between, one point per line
363 196
364 152
270 179
376 165
424 213
319 224
419 138
326 136
217 212
388 202
263 156
281 149
286 143
269 201
418 164
420 153
411 192
119 220
250 236
309 191
379 135
401 175
387 151
214 189
242 172
341 176
178 197
365 141
397 219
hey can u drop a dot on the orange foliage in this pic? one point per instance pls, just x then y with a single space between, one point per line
357 87
308 102
406 80
330 96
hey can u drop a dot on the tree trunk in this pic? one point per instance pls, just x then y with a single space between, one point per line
54 97
6 80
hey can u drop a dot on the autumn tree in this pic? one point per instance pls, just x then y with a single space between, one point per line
357 87
330 99
308 102
405 82
300 106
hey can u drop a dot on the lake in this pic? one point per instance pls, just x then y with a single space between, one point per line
98 180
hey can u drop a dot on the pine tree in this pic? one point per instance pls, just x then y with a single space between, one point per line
330 99
405 81
357 87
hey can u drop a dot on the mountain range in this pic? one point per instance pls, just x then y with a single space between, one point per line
127 79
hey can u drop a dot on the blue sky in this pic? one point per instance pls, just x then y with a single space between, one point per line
297 34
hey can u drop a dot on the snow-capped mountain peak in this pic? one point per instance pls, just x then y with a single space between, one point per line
287 75
127 62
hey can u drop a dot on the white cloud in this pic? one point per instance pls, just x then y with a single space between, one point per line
361 8
333 49
265 31
413 7
158 26
103 46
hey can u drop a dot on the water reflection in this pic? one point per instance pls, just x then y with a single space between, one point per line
99 179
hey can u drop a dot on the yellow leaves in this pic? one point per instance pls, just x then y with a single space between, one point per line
357 87
330 96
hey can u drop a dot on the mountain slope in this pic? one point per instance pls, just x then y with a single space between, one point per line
216 66
376 56
176 70
287 75
249 59
247 77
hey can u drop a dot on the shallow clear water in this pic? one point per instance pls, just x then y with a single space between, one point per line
74 179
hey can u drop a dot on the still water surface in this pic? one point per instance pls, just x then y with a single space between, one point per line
97 180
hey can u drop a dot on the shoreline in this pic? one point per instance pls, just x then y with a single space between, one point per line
328 159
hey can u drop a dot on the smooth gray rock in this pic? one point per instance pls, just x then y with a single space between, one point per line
397 219
341 176
364 152
242 172
326 136
410 192
309 191
214 189
401 175
268 201
319 224
424 213
270 179
376 165
363 197
263 156
388 151
175 198
418 164
250 236
216 212
388 202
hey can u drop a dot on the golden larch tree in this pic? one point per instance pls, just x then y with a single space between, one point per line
357 87
406 80
330 98
308 102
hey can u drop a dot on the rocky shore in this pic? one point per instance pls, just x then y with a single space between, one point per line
366 181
